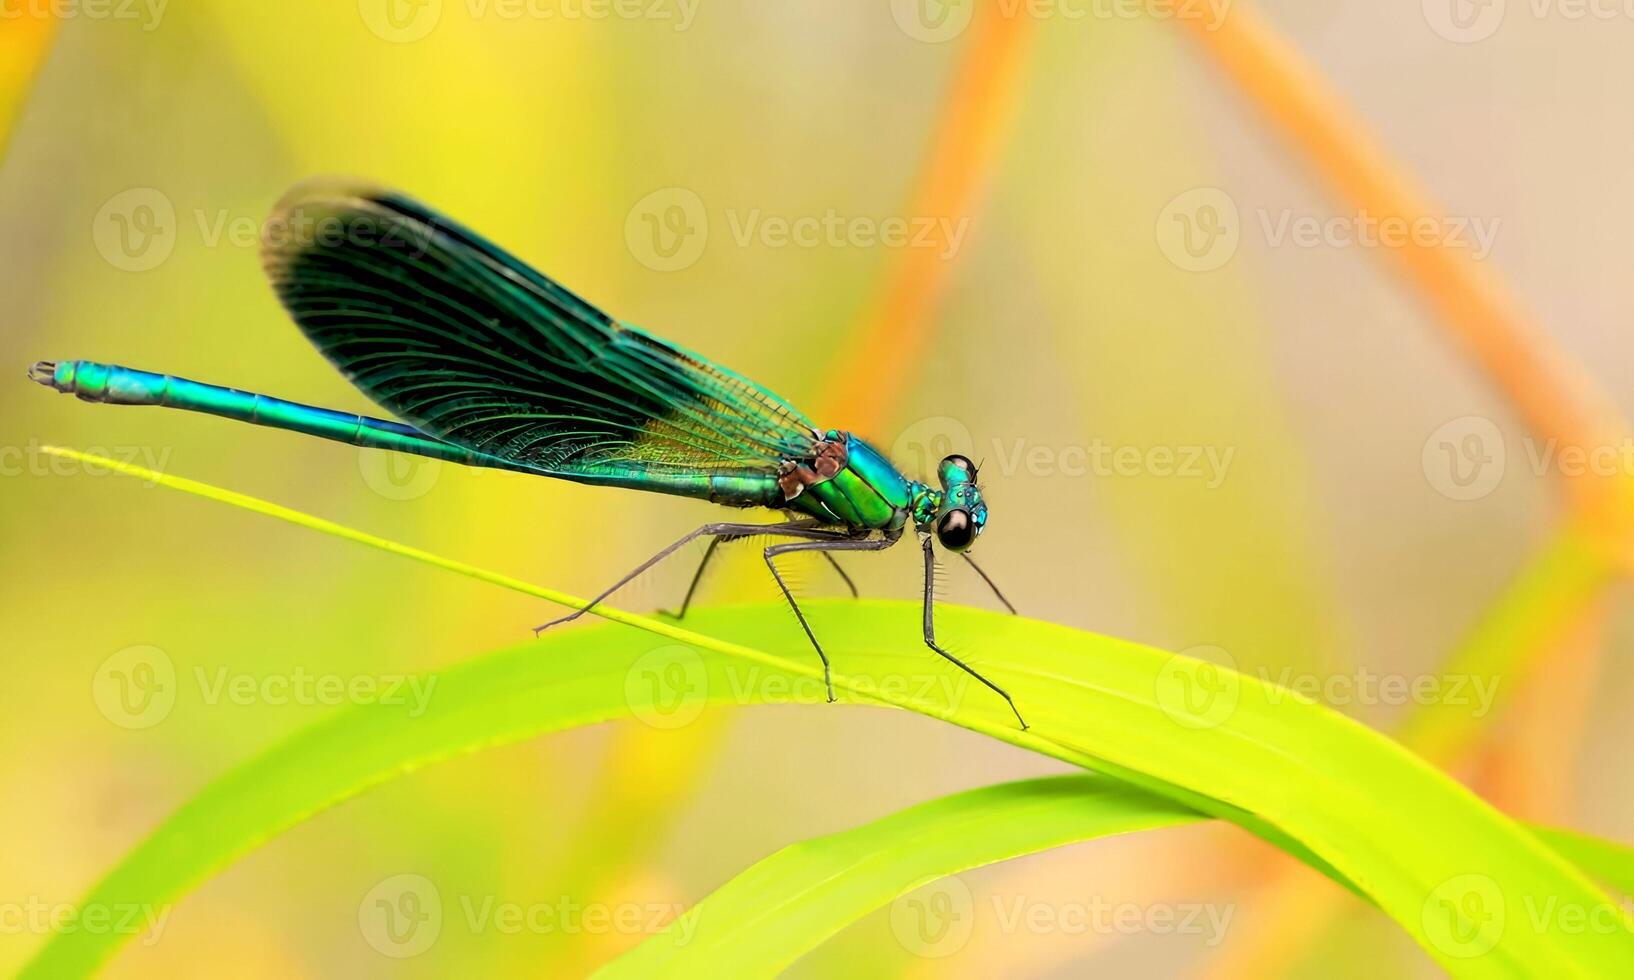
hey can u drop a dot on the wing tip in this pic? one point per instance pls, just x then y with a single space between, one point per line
302 217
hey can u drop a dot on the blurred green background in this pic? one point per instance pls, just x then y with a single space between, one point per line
152 145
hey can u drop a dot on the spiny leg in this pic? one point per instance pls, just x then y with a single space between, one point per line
848 583
845 544
793 529
930 631
697 576
989 582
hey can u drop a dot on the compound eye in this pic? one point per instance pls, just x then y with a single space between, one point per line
955 530
960 463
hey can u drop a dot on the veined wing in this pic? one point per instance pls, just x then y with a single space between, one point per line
467 343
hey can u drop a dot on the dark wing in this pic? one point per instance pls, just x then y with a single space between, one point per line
462 340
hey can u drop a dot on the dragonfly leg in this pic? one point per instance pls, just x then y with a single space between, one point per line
930 631
848 583
793 529
823 547
698 576
989 582
709 553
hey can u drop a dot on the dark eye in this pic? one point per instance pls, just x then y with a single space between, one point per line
955 530
961 462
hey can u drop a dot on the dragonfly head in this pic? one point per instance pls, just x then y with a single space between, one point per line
961 514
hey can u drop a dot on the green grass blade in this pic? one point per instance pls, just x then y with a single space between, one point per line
1608 861
782 907
1348 800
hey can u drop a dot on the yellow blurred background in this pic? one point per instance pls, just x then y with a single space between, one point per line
1211 412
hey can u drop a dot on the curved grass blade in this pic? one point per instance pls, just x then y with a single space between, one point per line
783 907
1340 796
767 917
1608 861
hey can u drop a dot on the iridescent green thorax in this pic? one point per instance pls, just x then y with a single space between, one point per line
925 504
848 482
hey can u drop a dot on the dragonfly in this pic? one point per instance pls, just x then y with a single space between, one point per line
485 361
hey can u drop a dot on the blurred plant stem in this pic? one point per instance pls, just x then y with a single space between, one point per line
24 41
623 822
1555 397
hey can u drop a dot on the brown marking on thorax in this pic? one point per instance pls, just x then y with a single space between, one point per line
828 458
